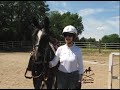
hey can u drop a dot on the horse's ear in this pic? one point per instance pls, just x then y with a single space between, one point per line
35 22
46 22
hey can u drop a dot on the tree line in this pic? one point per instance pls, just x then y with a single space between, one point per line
16 18
112 38
16 21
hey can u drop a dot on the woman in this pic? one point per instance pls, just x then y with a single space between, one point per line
70 70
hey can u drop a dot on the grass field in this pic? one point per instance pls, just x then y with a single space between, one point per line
13 66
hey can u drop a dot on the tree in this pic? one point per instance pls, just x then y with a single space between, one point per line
112 38
55 24
73 19
91 40
59 21
83 39
16 18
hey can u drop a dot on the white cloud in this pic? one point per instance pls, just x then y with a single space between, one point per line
116 7
116 17
57 3
113 23
95 28
100 28
62 11
53 3
60 6
64 3
89 11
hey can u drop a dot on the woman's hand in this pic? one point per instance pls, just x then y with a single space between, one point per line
79 84
80 78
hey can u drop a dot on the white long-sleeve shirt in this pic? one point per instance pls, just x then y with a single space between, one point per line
70 59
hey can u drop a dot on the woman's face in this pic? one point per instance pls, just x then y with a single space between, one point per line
68 38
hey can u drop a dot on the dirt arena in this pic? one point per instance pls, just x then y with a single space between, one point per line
13 66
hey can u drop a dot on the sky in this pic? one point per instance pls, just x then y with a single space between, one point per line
99 18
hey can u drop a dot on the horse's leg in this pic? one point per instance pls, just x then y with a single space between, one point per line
55 83
37 82
50 82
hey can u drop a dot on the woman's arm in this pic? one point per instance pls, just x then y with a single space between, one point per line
54 62
56 59
80 65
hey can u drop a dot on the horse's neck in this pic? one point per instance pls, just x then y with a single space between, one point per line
39 34
52 47
45 30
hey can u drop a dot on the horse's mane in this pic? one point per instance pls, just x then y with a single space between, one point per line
42 53
43 26
44 23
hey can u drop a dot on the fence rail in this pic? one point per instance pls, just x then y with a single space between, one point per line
16 45
27 45
96 45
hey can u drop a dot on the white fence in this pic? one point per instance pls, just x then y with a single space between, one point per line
16 45
96 45
111 70
10 45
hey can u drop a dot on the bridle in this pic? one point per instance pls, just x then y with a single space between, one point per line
34 61
40 62
38 50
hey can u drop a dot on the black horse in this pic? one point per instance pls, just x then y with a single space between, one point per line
43 52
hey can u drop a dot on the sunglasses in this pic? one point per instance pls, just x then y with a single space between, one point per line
68 34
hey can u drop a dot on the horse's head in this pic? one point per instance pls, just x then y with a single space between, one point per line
40 37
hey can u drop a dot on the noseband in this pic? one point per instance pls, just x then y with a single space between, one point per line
44 58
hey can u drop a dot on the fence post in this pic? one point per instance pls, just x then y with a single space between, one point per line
12 44
105 45
99 46
110 73
89 45
21 43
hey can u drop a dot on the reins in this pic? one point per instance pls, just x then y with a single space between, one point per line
39 62
44 61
